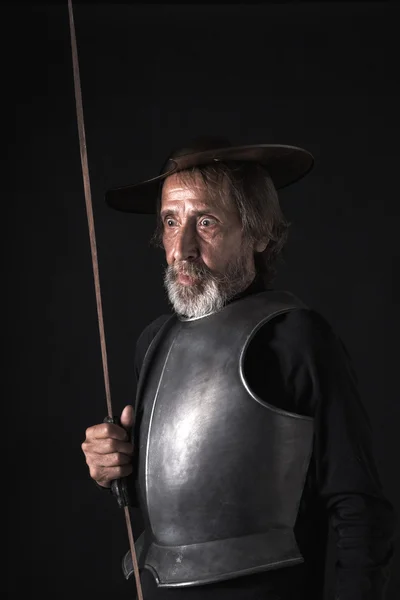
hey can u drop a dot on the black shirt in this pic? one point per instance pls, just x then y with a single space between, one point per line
298 360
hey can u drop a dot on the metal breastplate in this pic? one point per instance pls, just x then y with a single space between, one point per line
220 471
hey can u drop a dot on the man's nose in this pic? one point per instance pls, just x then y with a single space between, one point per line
185 247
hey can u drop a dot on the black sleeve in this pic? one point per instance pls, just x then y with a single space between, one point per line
144 341
298 360
142 344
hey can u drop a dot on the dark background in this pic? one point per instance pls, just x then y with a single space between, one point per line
319 75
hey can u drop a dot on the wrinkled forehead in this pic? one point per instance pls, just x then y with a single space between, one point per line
192 187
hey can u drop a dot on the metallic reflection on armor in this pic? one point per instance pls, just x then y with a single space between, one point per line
220 472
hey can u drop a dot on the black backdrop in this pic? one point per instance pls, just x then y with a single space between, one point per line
320 75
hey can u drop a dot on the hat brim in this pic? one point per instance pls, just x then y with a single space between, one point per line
285 164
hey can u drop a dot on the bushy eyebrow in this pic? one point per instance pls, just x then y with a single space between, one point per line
196 213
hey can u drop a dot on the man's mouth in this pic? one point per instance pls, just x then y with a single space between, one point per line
187 279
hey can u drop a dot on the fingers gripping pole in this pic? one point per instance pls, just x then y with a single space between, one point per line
92 235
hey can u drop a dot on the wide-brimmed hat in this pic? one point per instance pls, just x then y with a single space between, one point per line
285 164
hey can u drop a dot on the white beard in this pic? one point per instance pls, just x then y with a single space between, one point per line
210 293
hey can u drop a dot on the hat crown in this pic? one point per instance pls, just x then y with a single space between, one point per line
201 144
285 165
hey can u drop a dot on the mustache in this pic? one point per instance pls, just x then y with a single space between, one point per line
191 269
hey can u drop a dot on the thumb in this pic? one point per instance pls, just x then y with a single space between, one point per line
127 417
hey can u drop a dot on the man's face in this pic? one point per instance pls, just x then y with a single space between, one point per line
208 259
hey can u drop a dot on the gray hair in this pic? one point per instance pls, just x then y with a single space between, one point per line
254 195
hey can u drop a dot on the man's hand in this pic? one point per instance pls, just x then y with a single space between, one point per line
108 450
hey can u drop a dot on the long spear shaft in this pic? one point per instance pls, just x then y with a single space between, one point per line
93 247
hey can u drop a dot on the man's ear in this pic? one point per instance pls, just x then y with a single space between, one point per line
261 245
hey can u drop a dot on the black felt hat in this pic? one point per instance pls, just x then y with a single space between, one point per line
285 164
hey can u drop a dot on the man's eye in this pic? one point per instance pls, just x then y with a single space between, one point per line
207 222
169 222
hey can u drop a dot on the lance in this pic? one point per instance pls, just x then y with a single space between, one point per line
119 485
